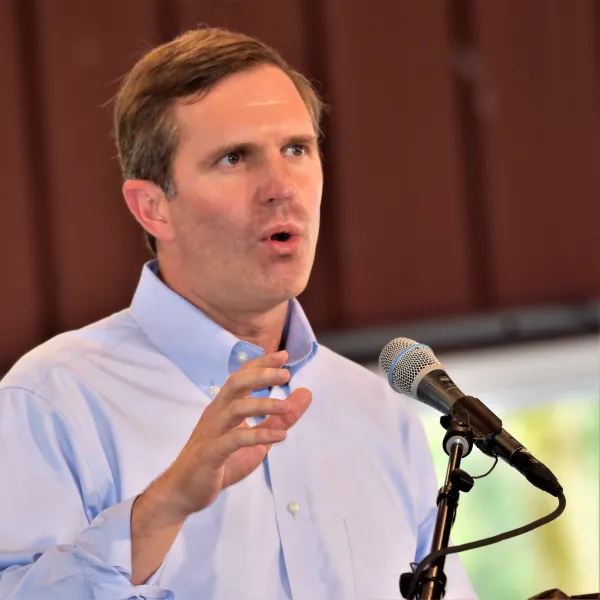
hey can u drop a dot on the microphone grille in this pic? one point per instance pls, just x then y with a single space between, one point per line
391 350
406 359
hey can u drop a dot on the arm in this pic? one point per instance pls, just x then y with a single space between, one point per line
221 451
50 549
57 540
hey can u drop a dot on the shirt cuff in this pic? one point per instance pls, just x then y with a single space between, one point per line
104 550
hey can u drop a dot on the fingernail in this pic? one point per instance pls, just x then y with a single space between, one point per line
280 353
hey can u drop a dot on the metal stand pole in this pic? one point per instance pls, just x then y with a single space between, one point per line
458 443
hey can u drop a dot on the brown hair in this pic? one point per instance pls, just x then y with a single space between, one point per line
187 66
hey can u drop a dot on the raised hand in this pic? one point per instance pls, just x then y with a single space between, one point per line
223 448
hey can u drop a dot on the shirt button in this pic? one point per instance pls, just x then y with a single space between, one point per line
242 357
213 390
293 508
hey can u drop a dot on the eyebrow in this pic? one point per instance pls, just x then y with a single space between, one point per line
249 147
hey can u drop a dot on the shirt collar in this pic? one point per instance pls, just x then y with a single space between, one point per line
203 350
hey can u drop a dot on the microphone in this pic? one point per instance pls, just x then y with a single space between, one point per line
412 369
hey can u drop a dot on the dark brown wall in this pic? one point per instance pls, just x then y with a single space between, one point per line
461 154
83 49
395 158
21 297
541 149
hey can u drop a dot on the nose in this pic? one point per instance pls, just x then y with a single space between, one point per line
278 184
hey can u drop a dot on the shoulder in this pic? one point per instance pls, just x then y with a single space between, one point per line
68 352
342 384
341 381
358 402
347 373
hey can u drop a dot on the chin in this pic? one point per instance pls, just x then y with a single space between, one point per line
287 290
281 284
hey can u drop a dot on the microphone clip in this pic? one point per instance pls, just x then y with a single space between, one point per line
457 432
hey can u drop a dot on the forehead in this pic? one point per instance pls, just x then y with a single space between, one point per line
260 101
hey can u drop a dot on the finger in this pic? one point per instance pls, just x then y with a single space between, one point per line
275 359
295 406
243 437
242 383
242 408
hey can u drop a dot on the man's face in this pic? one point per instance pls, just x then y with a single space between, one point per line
247 167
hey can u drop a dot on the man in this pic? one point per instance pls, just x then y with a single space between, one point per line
201 444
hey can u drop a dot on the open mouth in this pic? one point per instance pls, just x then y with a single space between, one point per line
284 242
282 236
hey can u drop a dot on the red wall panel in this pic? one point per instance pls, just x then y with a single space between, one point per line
399 204
460 163
540 140
21 300
85 47
280 24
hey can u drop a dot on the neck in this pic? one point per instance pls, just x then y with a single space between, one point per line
263 329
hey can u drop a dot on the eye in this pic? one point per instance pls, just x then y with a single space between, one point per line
231 159
296 150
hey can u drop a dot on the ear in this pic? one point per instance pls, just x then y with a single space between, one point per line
148 204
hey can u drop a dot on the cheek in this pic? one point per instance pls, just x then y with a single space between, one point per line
207 227
316 185
309 181
314 207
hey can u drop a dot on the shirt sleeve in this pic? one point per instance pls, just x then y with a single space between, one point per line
57 540
458 586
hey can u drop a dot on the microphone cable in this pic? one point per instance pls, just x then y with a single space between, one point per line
433 556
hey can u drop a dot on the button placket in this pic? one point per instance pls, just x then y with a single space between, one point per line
301 548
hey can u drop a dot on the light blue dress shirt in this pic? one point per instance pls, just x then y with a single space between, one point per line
90 418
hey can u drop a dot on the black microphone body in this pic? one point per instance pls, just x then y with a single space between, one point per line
413 369
437 390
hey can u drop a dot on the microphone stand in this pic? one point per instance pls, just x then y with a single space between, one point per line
458 443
